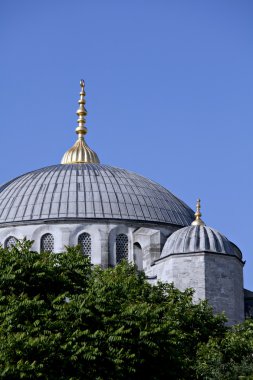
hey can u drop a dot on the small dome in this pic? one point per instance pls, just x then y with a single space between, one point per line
199 238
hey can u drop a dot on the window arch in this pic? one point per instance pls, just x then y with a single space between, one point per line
10 242
47 243
84 240
138 256
121 248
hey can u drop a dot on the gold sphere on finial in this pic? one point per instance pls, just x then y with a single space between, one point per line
198 221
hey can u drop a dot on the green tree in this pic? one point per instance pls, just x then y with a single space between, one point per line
62 318
229 357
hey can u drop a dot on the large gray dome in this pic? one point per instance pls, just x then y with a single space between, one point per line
89 191
199 239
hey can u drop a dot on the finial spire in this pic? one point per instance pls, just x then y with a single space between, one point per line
81 130
198 221
80 153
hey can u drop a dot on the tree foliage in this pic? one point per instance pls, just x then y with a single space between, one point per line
229 357
62 318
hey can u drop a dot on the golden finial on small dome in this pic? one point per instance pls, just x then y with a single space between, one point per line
80 153
198 221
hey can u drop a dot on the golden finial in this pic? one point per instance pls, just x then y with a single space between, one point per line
80 153
81 130
198 221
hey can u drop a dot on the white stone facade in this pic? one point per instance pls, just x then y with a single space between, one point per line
215 277
103 239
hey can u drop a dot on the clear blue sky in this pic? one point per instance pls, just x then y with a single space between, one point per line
169 95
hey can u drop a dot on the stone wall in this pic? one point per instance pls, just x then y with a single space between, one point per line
224 285
215 277
103 238
185 271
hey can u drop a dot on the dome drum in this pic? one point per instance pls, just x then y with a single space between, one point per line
103 237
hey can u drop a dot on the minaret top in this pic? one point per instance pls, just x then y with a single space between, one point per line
198 221
80 153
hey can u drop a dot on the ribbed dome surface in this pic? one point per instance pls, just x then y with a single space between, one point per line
198 239
86 191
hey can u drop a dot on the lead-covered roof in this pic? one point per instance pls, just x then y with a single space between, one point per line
89 191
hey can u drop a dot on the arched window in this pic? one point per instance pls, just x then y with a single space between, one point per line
138 256
10 241
84 240
121 248
47 243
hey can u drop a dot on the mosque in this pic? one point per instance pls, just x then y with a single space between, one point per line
116 214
